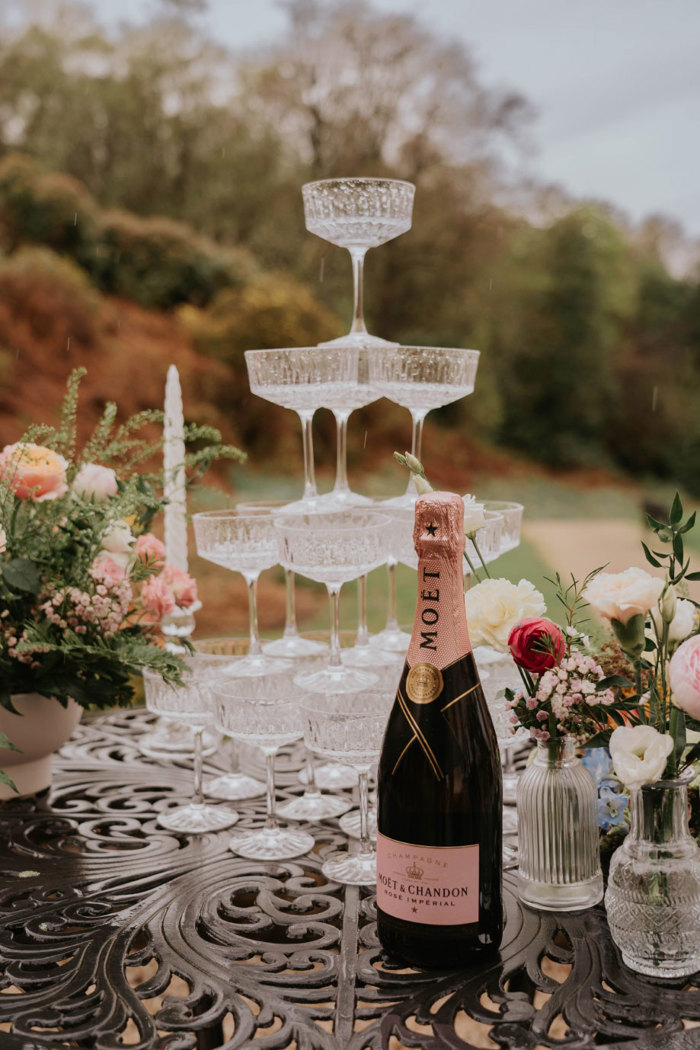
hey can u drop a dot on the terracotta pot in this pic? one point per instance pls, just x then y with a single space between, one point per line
41 726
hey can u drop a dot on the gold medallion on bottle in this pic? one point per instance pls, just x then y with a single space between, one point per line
423 683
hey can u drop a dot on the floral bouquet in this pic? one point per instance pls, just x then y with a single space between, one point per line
83 581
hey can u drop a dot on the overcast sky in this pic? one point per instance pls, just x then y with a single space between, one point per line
615 84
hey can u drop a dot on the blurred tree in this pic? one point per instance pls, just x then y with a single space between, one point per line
573 286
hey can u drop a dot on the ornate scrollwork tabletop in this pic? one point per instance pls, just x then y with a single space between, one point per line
117 933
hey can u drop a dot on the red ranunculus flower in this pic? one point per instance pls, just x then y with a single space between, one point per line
536 644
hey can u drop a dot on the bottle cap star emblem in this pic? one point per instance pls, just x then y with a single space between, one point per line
432 529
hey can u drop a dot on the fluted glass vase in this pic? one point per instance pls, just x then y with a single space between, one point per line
558 851
653 894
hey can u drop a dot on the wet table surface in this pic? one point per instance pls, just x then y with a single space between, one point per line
115 932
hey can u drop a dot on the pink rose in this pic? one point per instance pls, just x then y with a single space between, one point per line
95 482
32 471
157 597
106 569
536 644
150 550
184 587
684 676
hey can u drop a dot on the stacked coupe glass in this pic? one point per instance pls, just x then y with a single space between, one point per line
336 699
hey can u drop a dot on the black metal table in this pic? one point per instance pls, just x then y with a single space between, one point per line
115 932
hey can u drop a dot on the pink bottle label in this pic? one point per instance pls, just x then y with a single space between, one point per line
433 884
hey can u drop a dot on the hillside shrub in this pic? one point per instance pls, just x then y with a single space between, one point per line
52 209
274 310
160 263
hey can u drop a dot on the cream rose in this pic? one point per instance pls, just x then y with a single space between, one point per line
639 754
118 538
473 514
682 623
684 676
95 482
494 607
622 595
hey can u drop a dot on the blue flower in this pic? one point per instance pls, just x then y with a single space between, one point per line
598 762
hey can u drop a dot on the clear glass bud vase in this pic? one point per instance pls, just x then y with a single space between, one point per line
653 894
558 850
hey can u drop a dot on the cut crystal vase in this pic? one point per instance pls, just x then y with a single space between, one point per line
653 894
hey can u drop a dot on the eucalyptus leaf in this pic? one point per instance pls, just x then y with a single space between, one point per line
21 574
614 681
5 779
650 557
689 523
678 547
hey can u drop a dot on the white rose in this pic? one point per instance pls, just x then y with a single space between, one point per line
473 514
682 623
495 606
639 754
622 595
95 482
118 539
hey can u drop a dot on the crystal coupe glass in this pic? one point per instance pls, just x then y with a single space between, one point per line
233 785
512 514
334 548
421 378
192 703
291 645
264 711
304 379
244 542
350 729
358 214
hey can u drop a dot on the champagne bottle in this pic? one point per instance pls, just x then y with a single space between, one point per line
439 835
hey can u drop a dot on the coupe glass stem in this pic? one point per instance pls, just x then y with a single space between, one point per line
255 648
392 622
362 636
358 260
271 818
334 659
311 785
307 441
365 841
341 459
417 419
198 799
290 616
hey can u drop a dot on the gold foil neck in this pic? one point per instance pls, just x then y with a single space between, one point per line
439 523
423 683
